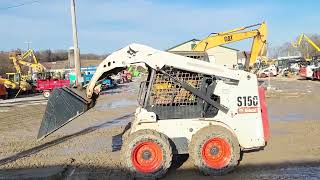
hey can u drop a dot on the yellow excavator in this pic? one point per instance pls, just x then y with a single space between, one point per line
303 36
21 59
259 36
8 84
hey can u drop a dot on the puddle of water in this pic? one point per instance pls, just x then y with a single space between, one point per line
117 104
293 117
118 122
278 132
287 117
299 172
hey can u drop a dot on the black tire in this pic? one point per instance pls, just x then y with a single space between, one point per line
131 144
200 141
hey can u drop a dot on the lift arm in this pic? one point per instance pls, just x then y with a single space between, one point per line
156 59
259 36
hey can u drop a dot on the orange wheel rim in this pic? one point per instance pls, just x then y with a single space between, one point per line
216 153
147 156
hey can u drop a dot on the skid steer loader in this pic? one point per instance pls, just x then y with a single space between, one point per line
186 106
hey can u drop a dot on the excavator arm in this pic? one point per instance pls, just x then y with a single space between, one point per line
19 59
303 36
259 40
67 103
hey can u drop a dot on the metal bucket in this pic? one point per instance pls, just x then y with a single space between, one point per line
64 105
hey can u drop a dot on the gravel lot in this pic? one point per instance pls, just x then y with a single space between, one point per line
88 147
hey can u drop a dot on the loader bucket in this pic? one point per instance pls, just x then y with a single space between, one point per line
64 105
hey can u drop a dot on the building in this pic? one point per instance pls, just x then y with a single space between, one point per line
220 55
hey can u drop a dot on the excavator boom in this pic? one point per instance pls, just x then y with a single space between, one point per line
259 40
303 36
19 59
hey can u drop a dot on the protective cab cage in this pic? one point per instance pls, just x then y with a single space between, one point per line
173 94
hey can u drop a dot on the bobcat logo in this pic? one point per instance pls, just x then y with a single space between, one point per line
132 52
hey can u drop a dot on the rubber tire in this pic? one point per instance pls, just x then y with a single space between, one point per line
146 135
271 75
44 94
200 137
263 75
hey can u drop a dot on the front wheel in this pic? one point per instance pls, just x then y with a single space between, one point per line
214 150
146 154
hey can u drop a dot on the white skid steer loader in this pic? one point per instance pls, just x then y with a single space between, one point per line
186 106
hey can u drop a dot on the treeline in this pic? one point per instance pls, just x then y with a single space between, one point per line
43 56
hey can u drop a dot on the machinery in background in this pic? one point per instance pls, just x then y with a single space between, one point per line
19 59
8 84
46 86
303 36
311 69
212 113
259 36
23 82
21 85
3 92
50 80
269 71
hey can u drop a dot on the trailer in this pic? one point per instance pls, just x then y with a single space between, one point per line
47 85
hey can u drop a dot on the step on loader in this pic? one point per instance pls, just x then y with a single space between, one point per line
186 106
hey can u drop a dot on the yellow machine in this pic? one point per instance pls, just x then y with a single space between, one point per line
20 84
298 43
21 59
259 36
8 84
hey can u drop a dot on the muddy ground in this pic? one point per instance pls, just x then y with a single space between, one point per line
88 147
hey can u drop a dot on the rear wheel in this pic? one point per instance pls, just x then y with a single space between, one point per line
146 154
271 75
46 94
263 75
214 150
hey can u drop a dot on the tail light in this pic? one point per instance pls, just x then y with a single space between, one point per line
264 113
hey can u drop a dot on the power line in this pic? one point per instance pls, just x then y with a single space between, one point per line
19 5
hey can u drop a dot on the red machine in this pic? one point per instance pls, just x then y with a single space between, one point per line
3 92
47 85
126 76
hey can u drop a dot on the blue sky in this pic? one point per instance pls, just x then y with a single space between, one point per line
107 25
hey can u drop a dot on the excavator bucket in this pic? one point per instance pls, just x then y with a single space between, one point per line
64 105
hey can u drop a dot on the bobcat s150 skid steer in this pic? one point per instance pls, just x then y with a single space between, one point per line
186 106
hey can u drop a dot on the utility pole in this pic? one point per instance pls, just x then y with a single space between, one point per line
75 45
28 44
